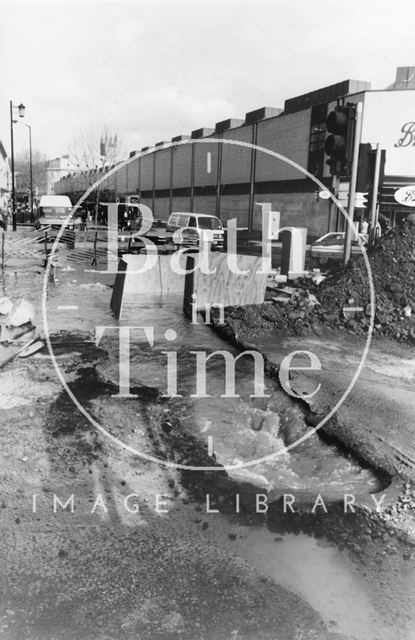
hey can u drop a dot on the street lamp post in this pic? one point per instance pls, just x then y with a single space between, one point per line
30 169
21 109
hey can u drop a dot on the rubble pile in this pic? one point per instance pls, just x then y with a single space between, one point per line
342 300
392 264
18 333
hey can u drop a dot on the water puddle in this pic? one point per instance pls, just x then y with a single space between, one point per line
239 429
320 574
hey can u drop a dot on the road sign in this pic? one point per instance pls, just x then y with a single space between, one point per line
324 195
406 195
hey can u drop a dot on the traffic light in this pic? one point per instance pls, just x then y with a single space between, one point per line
366 173
339 145
366 167
367 199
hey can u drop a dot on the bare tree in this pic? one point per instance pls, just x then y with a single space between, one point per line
93 151
22 167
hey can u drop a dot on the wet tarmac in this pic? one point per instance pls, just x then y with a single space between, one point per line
156 565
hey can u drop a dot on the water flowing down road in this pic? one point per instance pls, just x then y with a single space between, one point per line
135 552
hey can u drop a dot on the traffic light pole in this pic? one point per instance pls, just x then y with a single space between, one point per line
352 187
374 203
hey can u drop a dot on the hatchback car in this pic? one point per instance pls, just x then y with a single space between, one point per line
330 247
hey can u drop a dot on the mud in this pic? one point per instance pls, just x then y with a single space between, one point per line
392 272
101 571
108 572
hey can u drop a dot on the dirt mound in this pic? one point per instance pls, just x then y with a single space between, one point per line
344 297
392 264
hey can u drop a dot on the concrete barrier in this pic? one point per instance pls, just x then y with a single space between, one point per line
224 287
132 283
293 251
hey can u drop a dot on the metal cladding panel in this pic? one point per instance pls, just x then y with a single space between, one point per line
180 138
297 210
202 133
231 123
133 175
181 204
206 166
162 169
182 161
235 207
161 208
146 181
122 184
111 182
262 114
236 160
205 204
288 135
326 94
148 202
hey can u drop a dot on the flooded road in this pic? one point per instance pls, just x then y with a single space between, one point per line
179 573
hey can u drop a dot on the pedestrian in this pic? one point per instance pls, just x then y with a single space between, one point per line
364 227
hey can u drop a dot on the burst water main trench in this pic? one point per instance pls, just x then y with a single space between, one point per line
324 576
321 574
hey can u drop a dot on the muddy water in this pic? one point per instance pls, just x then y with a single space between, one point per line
79 302
229 425
321 575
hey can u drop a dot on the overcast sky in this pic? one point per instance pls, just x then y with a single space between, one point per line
152 70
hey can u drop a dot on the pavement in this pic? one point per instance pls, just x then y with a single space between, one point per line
151 568
99 570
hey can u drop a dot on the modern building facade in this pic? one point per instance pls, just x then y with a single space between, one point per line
274 155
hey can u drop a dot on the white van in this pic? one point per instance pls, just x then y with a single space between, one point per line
189 227
52 212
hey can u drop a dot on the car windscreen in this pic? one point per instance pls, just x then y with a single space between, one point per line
205 222
54 212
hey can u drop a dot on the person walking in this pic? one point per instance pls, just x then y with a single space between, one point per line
364 227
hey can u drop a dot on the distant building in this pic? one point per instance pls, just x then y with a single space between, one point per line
55 170
405 79
5 177
271 156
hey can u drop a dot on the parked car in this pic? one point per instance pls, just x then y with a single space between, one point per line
51 214
189 227
330 247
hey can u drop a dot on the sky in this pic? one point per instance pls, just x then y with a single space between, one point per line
154 69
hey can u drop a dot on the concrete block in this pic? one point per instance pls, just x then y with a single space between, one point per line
132 283
225 287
